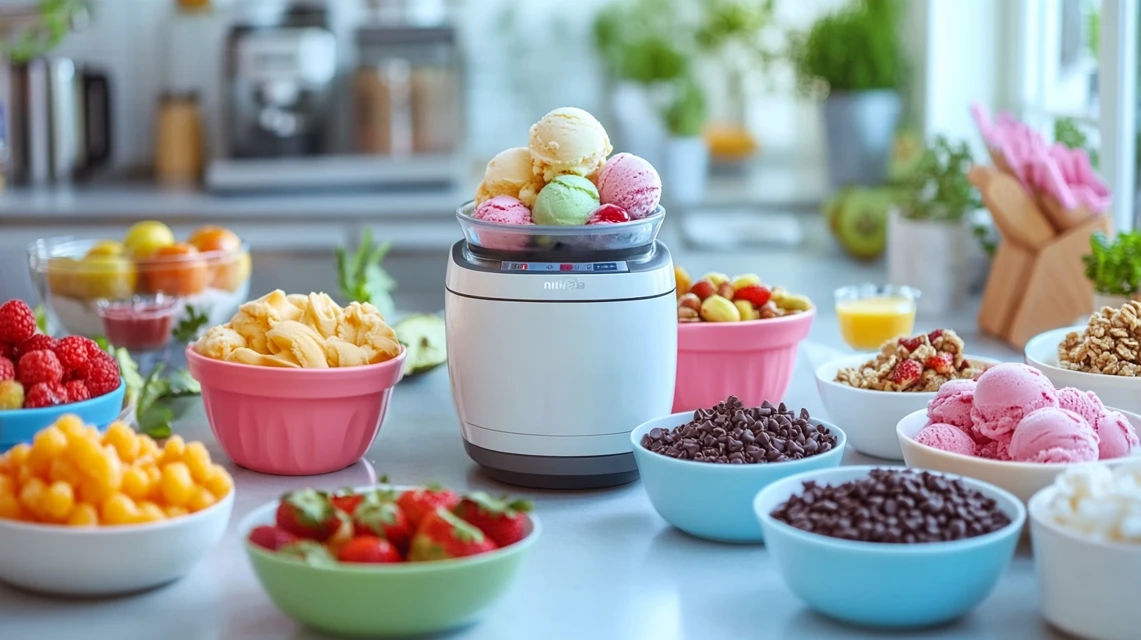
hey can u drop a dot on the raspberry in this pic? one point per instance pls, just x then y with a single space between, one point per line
43 394
8 351
7 369
39 366
77 391
37 342
17 322
72 352
11 395
101 375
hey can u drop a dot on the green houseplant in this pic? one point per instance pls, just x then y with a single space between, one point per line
854 57
1114 268
686 154
35 35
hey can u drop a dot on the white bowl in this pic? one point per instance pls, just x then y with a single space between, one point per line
1023 479
869 417
1117 391
1087 588
111 560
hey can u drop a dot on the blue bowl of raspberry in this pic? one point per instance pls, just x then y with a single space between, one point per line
42 378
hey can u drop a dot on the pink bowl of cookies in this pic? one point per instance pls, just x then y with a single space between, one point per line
736 336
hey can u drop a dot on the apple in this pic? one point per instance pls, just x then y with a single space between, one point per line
144 239
177 269
214 238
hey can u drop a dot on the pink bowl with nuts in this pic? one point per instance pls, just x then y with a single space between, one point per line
753 360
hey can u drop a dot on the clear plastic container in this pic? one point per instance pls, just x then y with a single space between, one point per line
75 282
552 241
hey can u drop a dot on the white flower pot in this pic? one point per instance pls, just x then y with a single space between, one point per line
686 169
932 257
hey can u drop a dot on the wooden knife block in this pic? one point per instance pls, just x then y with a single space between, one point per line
1037 281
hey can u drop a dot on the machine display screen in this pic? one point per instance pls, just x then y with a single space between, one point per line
566 267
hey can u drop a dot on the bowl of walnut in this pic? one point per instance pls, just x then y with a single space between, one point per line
867 394
1102 356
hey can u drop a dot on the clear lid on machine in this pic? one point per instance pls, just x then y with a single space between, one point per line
551 241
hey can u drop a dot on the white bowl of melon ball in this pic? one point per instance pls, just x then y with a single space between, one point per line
868 394
1014 429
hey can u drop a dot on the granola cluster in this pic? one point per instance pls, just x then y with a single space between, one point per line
920 363
1110 344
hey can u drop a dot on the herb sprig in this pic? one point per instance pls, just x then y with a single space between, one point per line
1114 267
361 278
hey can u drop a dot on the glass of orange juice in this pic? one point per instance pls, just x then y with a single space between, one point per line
871 314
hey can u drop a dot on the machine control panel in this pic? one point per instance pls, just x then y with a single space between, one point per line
618 266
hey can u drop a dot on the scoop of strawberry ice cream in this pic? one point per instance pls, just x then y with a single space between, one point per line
1005 394
1084 403
1117 438
995 449
504 210
1054 435
947 437
952 404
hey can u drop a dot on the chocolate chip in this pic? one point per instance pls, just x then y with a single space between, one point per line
730 433
893 506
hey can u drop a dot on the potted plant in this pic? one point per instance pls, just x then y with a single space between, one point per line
1114 268
686 155
854 58
930 229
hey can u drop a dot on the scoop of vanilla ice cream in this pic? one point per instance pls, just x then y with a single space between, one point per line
342 353
300 342
568 140
1103 504
323 314
251 357
365 327
510 173
219 342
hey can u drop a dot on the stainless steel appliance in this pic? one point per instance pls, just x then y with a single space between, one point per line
58 121
281 67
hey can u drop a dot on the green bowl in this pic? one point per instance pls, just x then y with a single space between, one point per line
385 600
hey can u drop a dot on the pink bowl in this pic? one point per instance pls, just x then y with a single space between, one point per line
294 422
752 360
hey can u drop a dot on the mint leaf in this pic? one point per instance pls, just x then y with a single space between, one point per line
190 326
41 318
156 422
104 344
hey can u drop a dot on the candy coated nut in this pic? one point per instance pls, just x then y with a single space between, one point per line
683 281
685 314
719 309
794 303
748 311
690 301
703 289
725 290
716 278
745 280
755 294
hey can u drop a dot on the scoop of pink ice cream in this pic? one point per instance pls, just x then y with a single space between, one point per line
947 437
995 449
1005 394
1054 435
1116 435
952 404
631 183
1084 403
504 210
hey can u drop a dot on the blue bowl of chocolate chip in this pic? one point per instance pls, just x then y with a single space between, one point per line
889 547
702 469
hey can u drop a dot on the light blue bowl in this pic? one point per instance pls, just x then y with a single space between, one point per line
21 425
884 585
715 501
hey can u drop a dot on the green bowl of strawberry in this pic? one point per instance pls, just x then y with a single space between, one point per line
385 599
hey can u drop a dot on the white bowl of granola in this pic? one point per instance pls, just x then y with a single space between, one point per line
867 394
1102 356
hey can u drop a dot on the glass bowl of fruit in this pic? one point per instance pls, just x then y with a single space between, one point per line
84 282
736 336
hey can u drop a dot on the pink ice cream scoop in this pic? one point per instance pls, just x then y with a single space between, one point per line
631 183
504 210
1084 403
1006 393
995 449
1054 435
946 437
952 404
1116 435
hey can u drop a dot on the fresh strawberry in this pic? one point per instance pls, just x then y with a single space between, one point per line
943 363
757 294
101 374
382 517
934 334
76 391
308 513
912 343
501 519
442 535
905 374
72 352
417 503
272 538
346 502
313 553
7 369
608 214
17 322
45 394
370 550
38 342
11 395
39 366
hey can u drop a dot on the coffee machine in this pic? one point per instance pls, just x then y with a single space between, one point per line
281 69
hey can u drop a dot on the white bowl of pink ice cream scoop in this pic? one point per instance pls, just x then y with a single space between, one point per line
1014 429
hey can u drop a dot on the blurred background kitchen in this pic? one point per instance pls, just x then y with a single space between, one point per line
301 124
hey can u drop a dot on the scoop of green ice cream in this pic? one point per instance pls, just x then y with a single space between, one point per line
566 201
